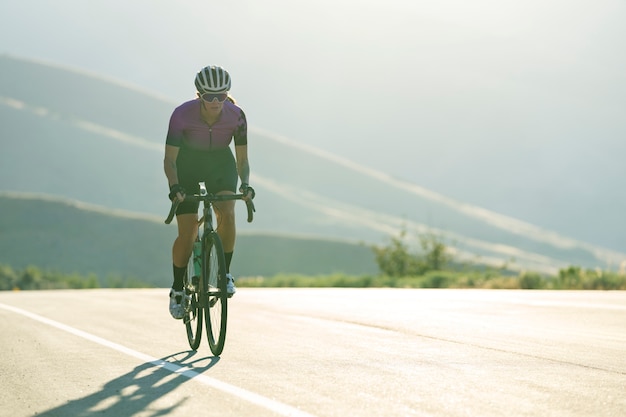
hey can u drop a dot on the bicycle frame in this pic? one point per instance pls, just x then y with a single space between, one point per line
206 293
207 213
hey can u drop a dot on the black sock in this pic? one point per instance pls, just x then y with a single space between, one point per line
179 276
228 256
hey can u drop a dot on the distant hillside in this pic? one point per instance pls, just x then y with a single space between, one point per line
68 236
96 141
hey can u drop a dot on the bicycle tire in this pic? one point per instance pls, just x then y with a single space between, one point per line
214 275
193 310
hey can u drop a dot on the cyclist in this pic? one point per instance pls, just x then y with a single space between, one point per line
197 149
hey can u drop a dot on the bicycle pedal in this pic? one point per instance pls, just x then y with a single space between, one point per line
189 316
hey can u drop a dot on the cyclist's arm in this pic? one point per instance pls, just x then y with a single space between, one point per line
243 167
169 164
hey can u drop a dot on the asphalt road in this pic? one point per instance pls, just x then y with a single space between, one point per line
317 352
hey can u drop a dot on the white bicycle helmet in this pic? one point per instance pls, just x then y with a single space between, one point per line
212 79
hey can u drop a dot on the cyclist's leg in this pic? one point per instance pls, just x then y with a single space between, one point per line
222 179
189 174
187 221
225 221
181 251
187 232
225 214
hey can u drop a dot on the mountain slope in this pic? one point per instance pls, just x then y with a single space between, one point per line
96 141
481 101
69 236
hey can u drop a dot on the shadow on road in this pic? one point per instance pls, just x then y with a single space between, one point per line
137 390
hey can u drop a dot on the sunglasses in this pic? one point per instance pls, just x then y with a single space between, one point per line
209 97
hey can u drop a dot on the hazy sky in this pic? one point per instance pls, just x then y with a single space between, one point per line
515 105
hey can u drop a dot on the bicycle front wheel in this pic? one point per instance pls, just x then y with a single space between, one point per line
193 308
214 274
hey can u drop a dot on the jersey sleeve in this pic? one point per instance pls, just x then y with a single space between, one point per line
175 132
241 131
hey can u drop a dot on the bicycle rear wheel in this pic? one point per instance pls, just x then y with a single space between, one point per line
214 274
193 308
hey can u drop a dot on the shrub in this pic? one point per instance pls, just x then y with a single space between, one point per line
395 260
438 279
530 281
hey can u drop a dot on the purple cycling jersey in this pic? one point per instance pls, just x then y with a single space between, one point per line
188 129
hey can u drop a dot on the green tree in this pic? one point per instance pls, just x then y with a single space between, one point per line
570 278
8 278
396 260
31 279
529 280
436 256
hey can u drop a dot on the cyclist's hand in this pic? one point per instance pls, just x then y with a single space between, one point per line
247 191
176 193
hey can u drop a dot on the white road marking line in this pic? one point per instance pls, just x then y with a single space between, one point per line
275 406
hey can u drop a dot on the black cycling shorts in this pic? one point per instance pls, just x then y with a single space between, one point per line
217 169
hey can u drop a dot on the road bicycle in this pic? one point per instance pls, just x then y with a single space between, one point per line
204 289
